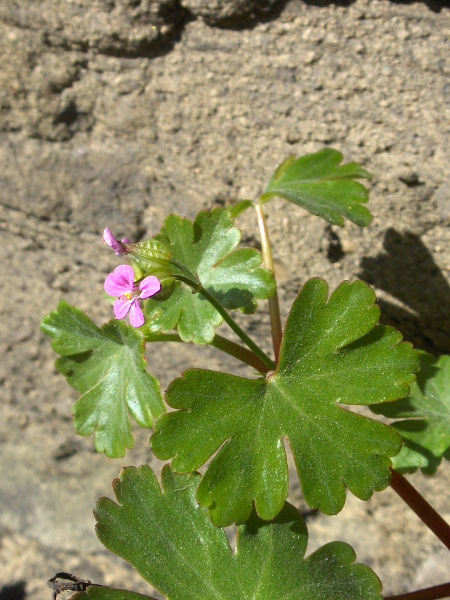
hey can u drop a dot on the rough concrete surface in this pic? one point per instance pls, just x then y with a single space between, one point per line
116 112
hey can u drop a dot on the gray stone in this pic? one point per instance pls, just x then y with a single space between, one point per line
230 12
114 27
118 113
442 199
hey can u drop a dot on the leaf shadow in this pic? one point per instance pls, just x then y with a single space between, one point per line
412 426
16 591
374 335
289 515
433 462
428 370
407 272
64 364
234 299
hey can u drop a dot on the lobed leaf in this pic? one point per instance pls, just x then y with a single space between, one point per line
320 184
424 417
102 592
333 353
107 366
238 208
207 247
172 543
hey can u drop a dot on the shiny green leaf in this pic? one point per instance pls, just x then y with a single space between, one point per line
107 366
172 543
207 247
237 209
320 184
424 417
333 353
101 592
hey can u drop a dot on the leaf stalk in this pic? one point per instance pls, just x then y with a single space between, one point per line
221 343
423 510
274 304
197 287
431 593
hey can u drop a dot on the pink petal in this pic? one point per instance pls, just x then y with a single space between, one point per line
112 242
121 307
126 241
136 315
120 282
149 287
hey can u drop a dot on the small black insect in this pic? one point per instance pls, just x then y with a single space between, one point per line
72 584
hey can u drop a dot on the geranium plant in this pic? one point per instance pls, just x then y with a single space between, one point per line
330 355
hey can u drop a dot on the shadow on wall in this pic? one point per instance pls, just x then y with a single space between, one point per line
259 11
407 272
13 592
434 5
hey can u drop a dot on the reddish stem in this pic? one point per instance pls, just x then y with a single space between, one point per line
431 593
422 508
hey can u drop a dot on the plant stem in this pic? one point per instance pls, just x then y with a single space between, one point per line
237 330
239 352
431 593
274 305
197 287
219 342
160 337
183 269
422 508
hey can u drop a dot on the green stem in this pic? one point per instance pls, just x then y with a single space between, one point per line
237 330
197 287
431 593
422 508
274 305
183 269
160 337
219 342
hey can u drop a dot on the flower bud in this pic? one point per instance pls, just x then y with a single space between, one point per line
152 257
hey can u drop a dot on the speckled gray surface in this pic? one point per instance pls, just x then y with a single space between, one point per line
116 113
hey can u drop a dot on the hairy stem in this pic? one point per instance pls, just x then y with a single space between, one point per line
239 352
221 343
422 508
197 287
431 593
274 305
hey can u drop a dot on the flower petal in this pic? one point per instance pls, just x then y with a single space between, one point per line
121 307
136 315
149 287
120 282
112 242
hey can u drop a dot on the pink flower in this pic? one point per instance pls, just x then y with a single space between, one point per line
121 285
114 243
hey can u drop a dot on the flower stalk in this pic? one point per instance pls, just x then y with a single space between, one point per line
195 284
